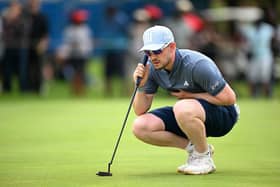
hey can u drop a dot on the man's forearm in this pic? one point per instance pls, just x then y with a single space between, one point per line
211 99
142 103
224 97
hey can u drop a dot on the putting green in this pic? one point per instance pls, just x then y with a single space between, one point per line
65 142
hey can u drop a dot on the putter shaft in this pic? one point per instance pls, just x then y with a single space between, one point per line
122 129
144 62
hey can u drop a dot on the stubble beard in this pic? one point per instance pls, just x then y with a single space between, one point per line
162 64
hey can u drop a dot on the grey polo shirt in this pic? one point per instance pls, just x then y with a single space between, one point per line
192 72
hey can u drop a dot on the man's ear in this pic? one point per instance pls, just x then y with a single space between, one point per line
172 45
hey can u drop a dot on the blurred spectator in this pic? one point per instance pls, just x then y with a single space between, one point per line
76 50
259 37
155 13
190 16
237 60
1 53
37 44
12 36
141 21
114 43
276 51
207 40
181 29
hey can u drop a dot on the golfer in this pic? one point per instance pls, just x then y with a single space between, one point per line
205 106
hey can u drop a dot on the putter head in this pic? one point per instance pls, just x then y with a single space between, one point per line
104 174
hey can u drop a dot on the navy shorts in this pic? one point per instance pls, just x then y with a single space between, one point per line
219 119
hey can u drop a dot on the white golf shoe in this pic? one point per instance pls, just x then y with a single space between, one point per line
194 159
200 164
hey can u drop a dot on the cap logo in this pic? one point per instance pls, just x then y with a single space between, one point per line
148 37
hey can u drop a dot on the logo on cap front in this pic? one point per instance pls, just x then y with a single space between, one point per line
148 37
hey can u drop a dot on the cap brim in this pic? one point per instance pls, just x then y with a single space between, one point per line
151 47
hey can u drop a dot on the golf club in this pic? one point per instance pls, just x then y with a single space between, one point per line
108 173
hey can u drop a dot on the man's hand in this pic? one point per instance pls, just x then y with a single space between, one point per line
143 72
181 94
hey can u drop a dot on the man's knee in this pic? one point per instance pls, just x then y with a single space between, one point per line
139 126
144 126
187 110
182 111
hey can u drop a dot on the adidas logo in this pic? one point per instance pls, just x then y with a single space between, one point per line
186 83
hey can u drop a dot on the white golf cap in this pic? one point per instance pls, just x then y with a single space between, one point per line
156 37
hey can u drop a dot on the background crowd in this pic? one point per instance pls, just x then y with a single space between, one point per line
243 38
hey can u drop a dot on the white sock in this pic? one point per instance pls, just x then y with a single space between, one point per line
188 146
201 154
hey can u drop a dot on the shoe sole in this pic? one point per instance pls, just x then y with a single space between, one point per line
196 173
212 153
180 171
199 173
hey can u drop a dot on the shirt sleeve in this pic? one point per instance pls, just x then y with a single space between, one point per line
208 77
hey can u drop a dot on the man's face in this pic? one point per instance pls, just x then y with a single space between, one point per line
161 58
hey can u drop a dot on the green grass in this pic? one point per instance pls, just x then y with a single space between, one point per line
95 89
64 142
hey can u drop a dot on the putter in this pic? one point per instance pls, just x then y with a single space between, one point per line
108 173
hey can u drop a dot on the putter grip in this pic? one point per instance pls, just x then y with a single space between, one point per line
144 62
